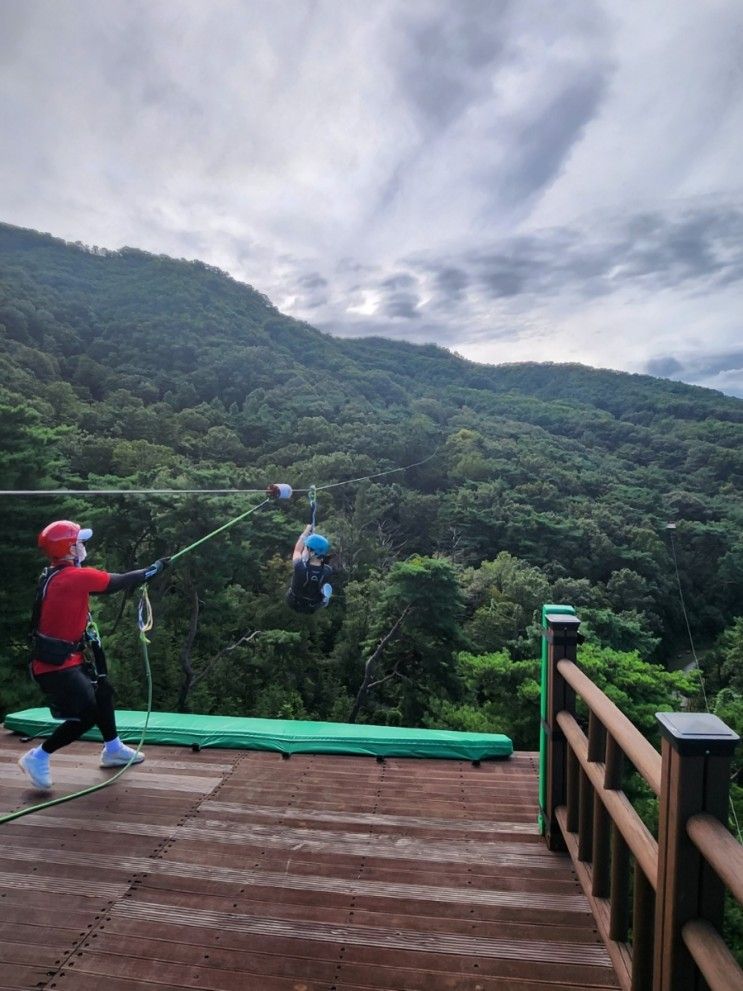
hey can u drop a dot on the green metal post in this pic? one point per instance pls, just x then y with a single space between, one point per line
546 609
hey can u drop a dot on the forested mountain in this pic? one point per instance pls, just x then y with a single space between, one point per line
550 483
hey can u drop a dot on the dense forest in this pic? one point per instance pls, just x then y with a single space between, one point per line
548 483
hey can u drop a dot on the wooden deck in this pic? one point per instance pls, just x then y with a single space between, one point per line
240 871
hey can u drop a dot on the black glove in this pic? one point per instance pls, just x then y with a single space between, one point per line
155 569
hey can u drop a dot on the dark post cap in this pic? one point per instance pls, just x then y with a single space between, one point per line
565 620
697 733
562 628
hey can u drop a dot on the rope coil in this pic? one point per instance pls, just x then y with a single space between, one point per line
145 618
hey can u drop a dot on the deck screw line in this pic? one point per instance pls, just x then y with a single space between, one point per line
135 879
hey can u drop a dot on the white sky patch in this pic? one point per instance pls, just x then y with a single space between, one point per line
593 335
671 122
513 181
367 307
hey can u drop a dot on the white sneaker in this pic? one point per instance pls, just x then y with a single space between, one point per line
121 757
37 769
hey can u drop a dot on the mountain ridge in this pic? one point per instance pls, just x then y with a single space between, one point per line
269 327
128 370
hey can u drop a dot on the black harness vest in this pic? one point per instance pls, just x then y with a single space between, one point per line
305 594
50 650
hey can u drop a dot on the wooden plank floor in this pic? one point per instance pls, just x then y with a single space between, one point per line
239 871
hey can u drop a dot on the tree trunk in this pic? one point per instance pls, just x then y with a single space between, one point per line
245 638
370 664
185 657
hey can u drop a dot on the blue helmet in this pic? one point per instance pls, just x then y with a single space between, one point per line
317 544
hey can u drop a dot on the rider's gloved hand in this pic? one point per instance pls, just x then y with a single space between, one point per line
157 568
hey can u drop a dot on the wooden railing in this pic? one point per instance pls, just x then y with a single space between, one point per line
679 879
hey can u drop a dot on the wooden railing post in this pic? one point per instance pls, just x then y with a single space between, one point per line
696 753
562 639
619 857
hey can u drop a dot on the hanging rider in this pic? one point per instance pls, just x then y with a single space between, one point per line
310 589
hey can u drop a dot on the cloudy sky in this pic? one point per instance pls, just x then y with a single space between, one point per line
524 180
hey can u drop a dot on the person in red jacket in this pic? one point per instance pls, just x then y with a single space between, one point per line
77 690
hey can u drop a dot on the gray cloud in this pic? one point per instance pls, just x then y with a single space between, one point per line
450 284
652 251
510 180
609 287
425 330
497 96
402 305
544 143
713 364
648 253
311 291
401 280
442 58
665 367
503 275
312 281
716 370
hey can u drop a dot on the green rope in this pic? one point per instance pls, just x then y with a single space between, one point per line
225 526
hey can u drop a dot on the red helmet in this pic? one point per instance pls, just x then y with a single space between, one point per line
57 538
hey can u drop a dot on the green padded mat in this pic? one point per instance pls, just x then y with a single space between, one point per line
285 735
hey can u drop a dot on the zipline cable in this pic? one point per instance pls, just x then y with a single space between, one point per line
670 528
697 665
366 478
97 492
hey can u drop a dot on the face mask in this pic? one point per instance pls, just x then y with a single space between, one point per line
79 552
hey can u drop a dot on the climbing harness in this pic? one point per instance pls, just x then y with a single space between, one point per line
93 640
310 598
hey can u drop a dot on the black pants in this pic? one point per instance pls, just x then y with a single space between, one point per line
74 695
